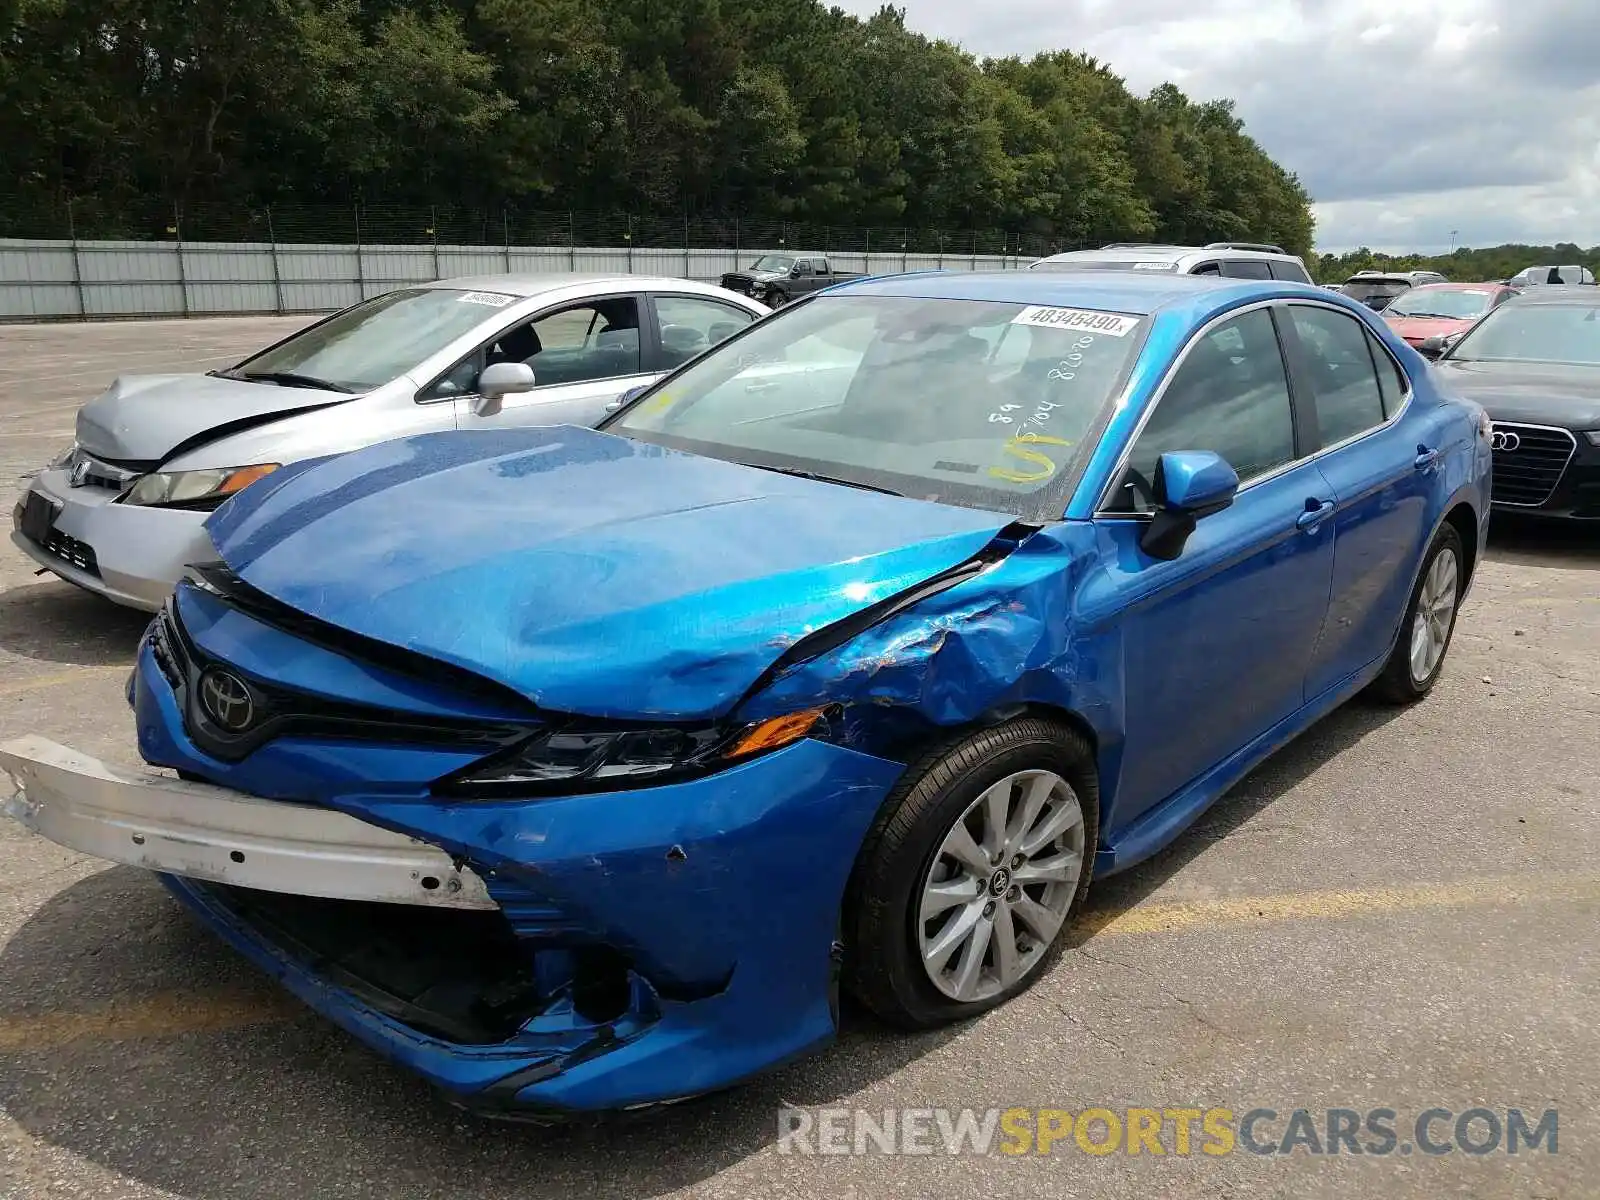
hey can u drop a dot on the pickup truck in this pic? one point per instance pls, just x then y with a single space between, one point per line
776 279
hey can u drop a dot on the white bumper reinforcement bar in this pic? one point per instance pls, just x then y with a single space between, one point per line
146 819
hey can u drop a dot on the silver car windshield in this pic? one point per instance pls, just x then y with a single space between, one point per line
1547 333
376 342
984 404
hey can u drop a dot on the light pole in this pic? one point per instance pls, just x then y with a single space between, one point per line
1453 234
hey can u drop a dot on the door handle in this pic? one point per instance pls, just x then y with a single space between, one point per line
1317 511
1425 458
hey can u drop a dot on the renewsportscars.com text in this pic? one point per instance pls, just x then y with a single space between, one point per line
1168 1130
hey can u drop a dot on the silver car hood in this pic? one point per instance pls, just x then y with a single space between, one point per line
144 418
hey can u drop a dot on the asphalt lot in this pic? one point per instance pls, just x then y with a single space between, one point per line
1399 910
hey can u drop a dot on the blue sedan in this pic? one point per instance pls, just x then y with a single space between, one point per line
580 769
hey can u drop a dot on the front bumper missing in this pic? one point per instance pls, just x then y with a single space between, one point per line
145 819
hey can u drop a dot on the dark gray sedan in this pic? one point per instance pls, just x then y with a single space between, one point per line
1534 365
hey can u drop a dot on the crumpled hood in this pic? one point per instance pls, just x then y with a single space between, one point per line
1416 330
1535 393
143 418
592 573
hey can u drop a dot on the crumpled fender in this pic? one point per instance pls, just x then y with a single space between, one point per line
1005 637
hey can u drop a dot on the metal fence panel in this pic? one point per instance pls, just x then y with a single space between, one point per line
42 280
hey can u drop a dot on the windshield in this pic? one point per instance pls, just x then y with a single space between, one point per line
1367 289
1545 333
772 262
1103 264
373 343
985 404
1449 303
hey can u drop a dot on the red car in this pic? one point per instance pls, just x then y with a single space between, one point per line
1443 309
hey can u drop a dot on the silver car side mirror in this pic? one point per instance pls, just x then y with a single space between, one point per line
498 381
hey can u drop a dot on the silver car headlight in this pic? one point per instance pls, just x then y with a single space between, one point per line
65 459
194 489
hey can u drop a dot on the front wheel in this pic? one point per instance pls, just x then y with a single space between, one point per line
967 881
1430 620
777 299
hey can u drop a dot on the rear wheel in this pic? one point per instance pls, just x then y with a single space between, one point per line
1418 657
964 886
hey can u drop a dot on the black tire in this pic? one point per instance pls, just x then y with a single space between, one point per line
882 966
777 299
1397 684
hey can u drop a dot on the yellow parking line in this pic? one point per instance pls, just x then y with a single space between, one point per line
58 678
160 1014
1488 892
171 1014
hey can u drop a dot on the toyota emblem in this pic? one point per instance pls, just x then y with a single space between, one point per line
1504 439
226 700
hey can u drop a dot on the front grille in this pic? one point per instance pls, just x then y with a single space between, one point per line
1527 475
70 550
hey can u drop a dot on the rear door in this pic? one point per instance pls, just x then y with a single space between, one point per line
1380 470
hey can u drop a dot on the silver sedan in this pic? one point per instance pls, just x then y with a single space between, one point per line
121 512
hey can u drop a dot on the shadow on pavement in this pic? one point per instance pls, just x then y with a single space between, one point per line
294 1107
58 623
1530 542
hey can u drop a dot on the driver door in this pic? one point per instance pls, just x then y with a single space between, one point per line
1215 644
582 356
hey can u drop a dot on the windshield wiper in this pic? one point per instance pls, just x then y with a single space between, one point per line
812 475
291 379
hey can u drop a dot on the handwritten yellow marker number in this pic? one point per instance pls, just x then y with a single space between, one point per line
1047 466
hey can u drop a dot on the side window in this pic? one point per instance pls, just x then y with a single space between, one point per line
690 324
1246 268
1286 268
803 267
822 267
1392 382
1230 395
598 339
1209 268
1344 380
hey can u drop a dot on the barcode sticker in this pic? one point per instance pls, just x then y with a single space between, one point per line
1084 319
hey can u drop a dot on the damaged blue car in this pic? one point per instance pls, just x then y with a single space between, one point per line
585 769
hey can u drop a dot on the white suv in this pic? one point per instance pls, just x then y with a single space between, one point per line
1237 260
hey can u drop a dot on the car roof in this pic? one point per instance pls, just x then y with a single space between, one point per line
1139 252
1136 292
1560 293
537 284
1458 286
1380 277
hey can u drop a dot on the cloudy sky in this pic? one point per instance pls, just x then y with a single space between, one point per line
1407 120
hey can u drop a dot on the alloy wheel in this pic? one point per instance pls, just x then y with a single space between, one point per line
1001 885
1436 606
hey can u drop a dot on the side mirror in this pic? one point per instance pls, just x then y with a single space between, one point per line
1189 485
1436 345
499 380
626 397
794 271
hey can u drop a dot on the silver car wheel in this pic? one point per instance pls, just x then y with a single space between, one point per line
1001 885
1436 607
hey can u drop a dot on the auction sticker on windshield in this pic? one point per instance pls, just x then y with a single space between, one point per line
1077 318
492 299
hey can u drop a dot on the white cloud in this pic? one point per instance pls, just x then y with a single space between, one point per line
1475 116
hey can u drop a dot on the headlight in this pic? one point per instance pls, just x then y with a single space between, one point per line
65 459
575 759
194 489
1594 437
758 289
